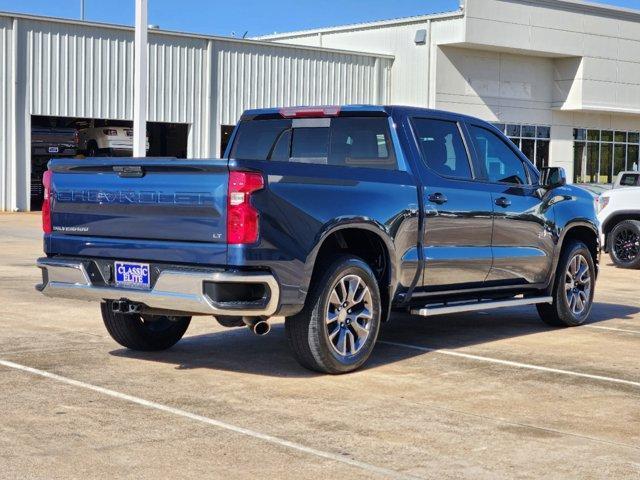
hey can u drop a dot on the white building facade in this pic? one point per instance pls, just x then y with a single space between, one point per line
561 77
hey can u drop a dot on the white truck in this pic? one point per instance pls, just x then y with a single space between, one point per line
110 140
619 216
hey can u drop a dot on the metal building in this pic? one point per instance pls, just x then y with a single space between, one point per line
53 68
561 77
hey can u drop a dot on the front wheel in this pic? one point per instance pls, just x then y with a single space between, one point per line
573 288
337 330
624 244
144 332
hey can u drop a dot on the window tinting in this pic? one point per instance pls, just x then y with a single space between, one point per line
256 139
629 180
345 141
442 147
361 142
501 163
310 145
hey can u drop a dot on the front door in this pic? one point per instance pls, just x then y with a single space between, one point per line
522 245
458 210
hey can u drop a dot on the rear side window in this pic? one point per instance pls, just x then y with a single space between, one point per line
343 141
361 142
442 147
501 162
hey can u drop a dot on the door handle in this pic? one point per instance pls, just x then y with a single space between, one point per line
503 202
438 198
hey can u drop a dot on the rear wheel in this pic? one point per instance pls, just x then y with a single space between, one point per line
337 329
92 149
573 288
144 332
624 244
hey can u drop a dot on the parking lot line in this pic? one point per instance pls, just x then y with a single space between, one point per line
637 332
211 421
510 363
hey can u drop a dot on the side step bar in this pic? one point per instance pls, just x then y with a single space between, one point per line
441 309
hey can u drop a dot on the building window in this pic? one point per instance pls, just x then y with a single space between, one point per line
599 155
532 140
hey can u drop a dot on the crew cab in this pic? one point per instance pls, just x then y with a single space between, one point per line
619 216
328 216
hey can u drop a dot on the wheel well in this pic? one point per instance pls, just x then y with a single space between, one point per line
364 244
585 235
616 219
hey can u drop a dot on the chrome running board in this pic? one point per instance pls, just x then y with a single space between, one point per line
473 306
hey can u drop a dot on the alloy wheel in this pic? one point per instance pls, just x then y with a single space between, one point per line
578 285
626 245
349 315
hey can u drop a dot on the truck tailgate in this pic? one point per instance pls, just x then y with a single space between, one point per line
140 199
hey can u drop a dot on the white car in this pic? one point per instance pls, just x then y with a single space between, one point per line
96 141
619 215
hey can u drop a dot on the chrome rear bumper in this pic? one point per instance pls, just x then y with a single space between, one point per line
174 290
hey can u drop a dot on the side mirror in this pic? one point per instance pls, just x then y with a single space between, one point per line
553 177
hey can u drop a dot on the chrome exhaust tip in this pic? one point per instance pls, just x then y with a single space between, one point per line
261 328
258 327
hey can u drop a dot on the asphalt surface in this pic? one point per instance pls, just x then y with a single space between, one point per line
494 394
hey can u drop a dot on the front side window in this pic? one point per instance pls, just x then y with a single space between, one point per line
442 147
501 163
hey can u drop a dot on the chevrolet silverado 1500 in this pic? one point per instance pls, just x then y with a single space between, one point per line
328 216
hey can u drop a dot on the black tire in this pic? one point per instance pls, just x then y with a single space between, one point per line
144 332
624 244
561 312
308 331
92 149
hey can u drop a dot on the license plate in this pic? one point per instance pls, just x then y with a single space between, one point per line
132 275
54 149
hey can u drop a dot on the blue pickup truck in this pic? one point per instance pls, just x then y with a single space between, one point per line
331 217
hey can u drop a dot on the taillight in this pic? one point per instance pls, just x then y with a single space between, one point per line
602 202
110 132
46 203
242 218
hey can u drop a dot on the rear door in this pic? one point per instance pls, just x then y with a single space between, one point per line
323 174
458 212
522 245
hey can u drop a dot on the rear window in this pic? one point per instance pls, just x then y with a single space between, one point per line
261 140
343 141
629 180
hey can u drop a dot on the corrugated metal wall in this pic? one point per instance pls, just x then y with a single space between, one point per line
71 69
256 76
7 173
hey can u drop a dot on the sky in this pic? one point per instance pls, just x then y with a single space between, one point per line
237 17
